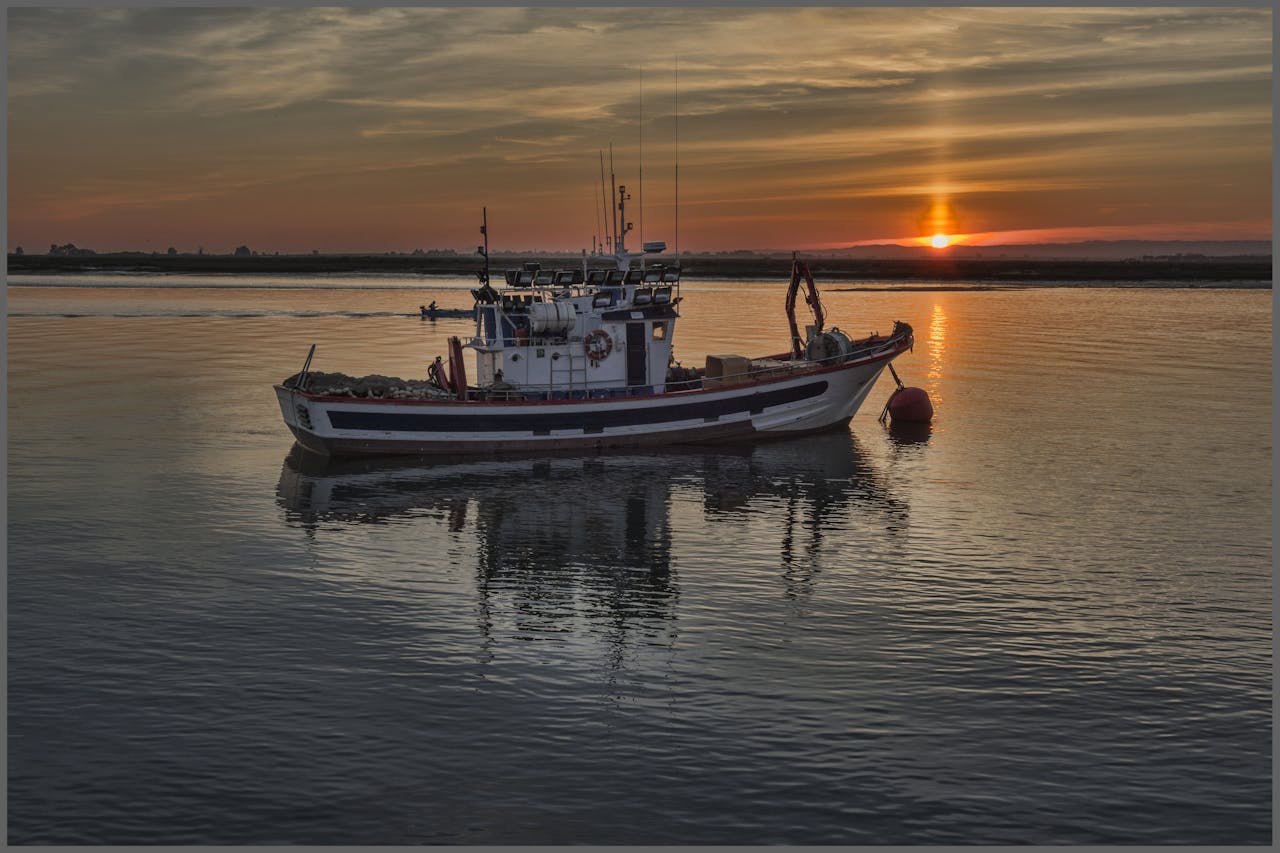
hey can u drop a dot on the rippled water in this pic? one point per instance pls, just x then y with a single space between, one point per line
1046 620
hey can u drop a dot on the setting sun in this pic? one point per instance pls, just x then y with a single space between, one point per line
940 241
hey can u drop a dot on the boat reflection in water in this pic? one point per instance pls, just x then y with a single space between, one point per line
574 532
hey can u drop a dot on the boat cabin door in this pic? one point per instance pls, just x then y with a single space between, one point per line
637 361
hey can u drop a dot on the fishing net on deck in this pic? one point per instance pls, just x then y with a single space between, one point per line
374 386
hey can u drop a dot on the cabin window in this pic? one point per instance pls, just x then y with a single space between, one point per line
659 331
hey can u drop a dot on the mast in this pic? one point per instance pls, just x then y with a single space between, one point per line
616 249
620 248
484 250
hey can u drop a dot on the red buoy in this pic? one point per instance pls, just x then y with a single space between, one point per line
910 405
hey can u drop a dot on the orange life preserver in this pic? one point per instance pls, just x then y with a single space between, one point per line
598 345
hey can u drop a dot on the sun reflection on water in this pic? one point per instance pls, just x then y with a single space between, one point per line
937 349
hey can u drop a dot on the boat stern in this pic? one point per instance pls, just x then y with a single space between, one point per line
299 414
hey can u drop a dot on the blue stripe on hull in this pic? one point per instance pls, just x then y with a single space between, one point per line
588 417
730 431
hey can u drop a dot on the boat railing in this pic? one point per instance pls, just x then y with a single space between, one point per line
759 370
865 350
522 342
516 303
552 283
556 393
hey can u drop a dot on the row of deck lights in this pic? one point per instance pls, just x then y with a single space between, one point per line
533 276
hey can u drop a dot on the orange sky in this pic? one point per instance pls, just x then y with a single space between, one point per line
389 129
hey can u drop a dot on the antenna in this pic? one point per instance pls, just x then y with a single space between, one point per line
613 182
604 202
599 235
642 163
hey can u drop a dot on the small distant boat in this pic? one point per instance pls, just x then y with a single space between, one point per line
434 312
583 359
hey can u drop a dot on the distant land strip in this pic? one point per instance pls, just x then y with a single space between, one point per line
1252 269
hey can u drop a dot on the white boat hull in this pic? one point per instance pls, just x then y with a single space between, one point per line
795 403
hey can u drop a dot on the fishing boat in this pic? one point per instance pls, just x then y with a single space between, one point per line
582 359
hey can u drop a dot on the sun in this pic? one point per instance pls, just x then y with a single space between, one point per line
940 241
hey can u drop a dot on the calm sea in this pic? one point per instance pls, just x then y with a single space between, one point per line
1045 621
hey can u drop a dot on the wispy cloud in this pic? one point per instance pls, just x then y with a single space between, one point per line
169 108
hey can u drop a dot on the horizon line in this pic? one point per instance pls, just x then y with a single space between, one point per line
859 246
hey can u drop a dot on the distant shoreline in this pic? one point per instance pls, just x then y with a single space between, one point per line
1245 271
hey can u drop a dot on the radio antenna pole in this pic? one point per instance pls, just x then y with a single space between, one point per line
604 205
613 183
642 164
599 235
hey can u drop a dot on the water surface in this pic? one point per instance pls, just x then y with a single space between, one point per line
1045 620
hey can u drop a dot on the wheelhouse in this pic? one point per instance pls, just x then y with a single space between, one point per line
577 333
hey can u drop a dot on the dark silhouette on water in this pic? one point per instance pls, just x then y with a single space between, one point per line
435 312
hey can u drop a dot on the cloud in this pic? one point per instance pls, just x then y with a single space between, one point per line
775 104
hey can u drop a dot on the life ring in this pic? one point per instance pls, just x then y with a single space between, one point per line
598 345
